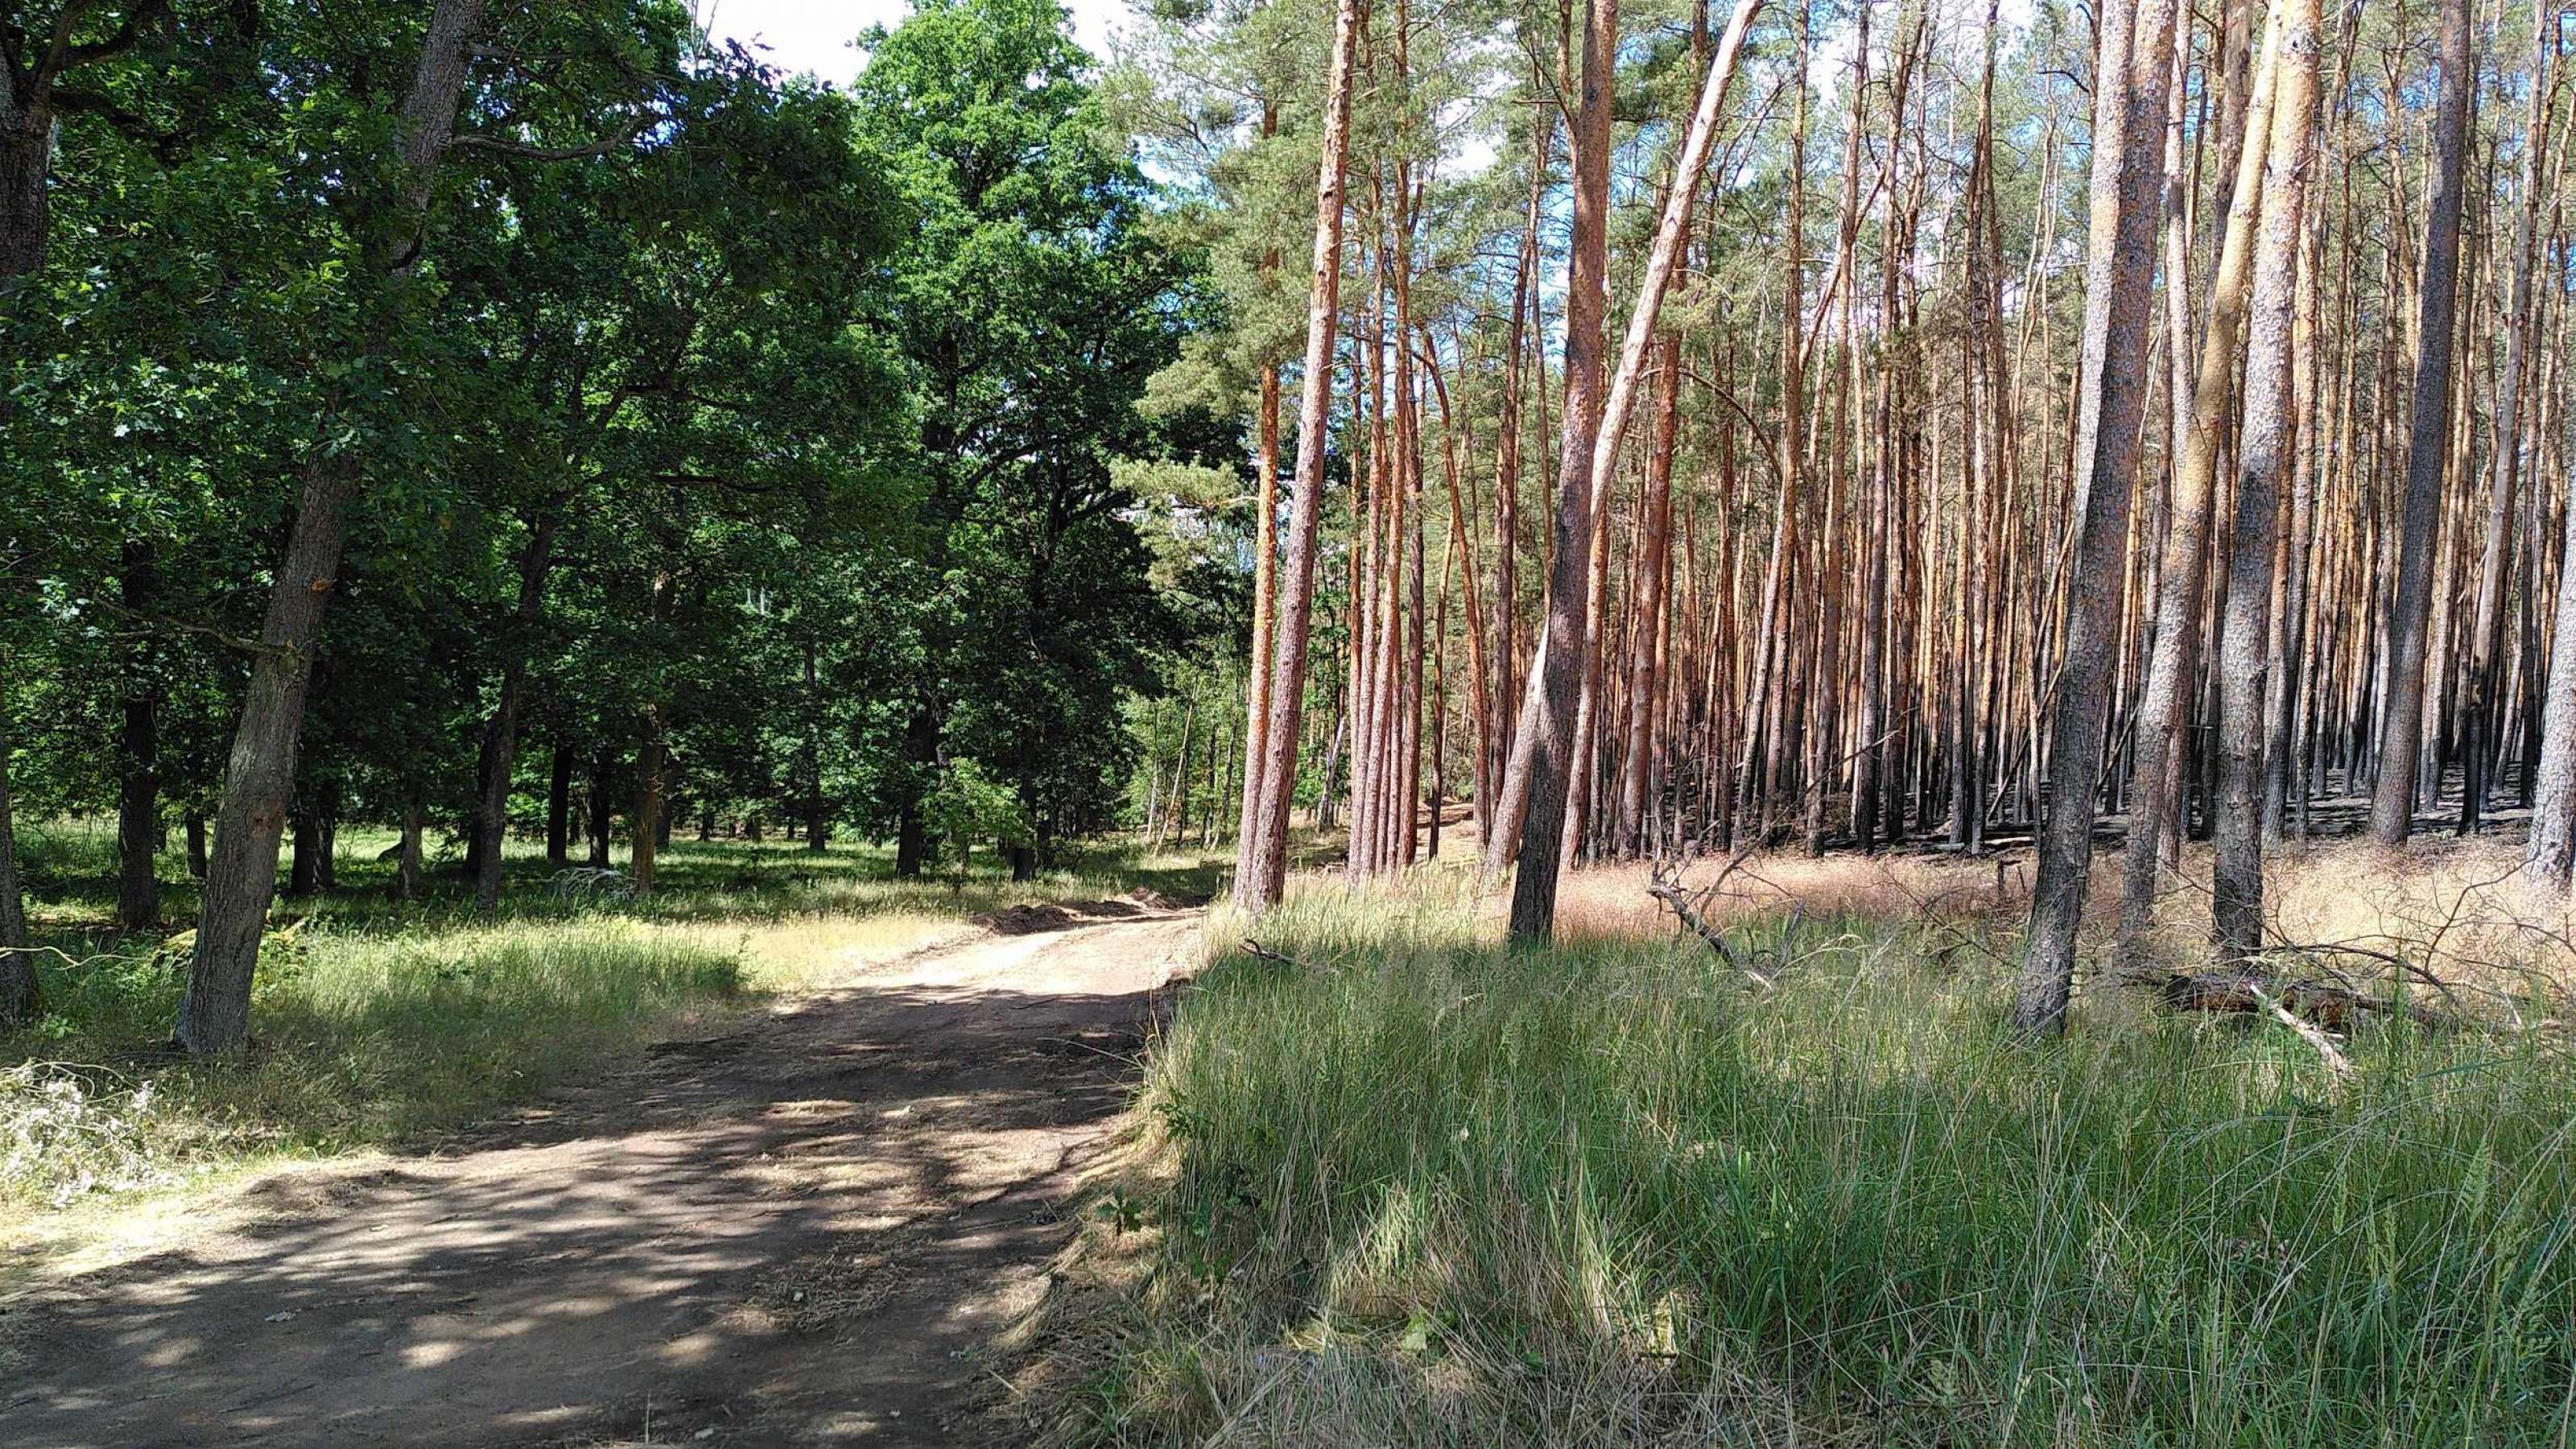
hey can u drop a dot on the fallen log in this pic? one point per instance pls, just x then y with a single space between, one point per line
2332 1007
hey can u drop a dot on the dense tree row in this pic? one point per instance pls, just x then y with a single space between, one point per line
472 416
2164 415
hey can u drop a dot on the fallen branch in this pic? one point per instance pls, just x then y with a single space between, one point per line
1259 952
1686 904
2336 1062
2329 1006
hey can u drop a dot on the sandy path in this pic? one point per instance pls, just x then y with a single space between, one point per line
800 1232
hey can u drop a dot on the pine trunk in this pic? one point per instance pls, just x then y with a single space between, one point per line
1263 871
2401 742
2132 73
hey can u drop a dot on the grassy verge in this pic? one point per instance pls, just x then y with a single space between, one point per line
377 1023
1419 1190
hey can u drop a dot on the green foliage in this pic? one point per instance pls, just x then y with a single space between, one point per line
777 423
969 805
1465 1195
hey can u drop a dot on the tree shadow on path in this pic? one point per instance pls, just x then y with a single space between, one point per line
802 1231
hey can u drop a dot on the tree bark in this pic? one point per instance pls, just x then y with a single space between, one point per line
1262 871
26 147
603 813
2131 76
2392 804
1265 585
2486 708
1550 706
304 874
406 883
214 1014
559 808
2174 669
1592 429
17 964
1646 605
259 779
2271 430
501 733
645 829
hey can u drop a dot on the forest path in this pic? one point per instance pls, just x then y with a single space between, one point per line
802 1231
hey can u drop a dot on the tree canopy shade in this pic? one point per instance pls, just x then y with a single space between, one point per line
390 388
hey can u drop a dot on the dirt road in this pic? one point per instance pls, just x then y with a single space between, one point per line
803 1231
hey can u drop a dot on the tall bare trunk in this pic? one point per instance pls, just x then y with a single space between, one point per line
2131 76
17 963
138 763
1263 871
1265 573
1549 706
1646 604
2271 429
501 732
2486 705
2174 669
1592 434
2428 446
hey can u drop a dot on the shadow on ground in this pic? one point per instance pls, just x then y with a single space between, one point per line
805 1231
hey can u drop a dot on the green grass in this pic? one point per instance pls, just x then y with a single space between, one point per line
362 1039
377 1023
1430 1192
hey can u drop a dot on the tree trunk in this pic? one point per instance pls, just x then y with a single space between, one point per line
406 886
818 812
2131 76
1265 582
501 733
2486 708
2271 430
911 842
2173 671
1262 871
603 812
2392 804
559 809
1549 706
2551 855
259 779
196 831
304 874
1646 603
645 828
26 147
1592 429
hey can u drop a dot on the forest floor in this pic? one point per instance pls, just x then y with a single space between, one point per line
806 1228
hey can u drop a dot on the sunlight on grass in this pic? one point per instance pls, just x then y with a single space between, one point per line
363 1039
1417 1189
377 1023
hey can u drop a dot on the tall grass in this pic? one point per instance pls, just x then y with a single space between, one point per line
1426 1191
362 1039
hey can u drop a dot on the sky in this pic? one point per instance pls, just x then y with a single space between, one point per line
814 35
